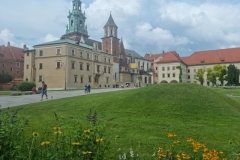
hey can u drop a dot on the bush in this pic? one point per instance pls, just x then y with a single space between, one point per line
26 86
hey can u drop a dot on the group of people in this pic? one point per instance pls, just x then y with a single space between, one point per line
87 88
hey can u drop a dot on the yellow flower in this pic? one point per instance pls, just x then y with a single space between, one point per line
220 152
87 137
45 143
57 128
87 131
84 152
99 140
87 152
57 133
35 134
76 143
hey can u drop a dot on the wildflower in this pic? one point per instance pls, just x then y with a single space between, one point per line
45 143
87 137
220 152
87 152
57 128
76 143
57 133
99 140
87 131
35 134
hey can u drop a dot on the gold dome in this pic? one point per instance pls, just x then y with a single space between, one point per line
133 66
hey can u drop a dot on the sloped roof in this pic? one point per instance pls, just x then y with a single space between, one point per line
11 53
169 57
130 53
229 55
151 56
110 22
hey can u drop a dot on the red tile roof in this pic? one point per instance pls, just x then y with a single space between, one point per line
229 55
151 57
10 53
169 57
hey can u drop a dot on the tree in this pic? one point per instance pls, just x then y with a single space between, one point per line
211 76
200 73
180 74
220 72
233 74
5 77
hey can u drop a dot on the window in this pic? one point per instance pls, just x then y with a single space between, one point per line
107 51
27 67
81 79
163 75
173 75
105 69
168 75
18 64
189 77
163 68
138 63
40 78
80 53
109 70
81 66
73 65
105 59
40 66
88 67
88 56
26 79
98 68
173 68
107 79
75 78
41 53
2 71
58 51
147 66
73 52
188 70
96 57
96 80
3 65
168 68
156 68
27 54
109 60
89 79
58 65
195 76
194 70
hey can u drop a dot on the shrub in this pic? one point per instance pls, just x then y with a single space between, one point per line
26 86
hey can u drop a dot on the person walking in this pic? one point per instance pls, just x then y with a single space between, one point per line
44 90
89 88
86 88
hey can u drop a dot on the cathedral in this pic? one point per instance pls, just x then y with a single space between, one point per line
75 59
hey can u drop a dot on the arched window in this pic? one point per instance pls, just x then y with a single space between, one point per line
71 22
111 31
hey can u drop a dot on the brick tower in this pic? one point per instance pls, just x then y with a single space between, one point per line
110 41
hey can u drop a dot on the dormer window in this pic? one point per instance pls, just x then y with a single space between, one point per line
222 59
73 52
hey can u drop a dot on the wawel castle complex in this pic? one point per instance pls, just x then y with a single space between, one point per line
76 60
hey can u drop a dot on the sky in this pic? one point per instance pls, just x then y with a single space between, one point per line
146 26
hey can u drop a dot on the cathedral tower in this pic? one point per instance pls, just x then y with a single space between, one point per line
110 41
76 23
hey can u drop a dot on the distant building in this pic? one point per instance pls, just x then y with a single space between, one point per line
12 60
167 63
76 60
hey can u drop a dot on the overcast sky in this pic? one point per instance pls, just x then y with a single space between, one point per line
184 26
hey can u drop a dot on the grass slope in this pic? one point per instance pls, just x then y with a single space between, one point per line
142 118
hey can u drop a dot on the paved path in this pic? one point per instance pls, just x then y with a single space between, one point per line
10 101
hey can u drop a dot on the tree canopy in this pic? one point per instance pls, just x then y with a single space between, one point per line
5 77
233 75
200 75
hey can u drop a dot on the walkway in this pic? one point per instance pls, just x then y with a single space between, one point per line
11 101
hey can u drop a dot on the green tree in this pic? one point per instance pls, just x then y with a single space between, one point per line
26 86
220 72
200 75
233 74
180 74
5 77
211 76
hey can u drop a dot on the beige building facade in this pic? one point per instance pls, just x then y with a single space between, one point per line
63 64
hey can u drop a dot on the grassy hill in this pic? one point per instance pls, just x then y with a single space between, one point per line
142 118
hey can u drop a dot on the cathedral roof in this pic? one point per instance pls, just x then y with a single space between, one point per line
110 22
130 53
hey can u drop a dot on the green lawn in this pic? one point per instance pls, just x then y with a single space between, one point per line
5 93
142 118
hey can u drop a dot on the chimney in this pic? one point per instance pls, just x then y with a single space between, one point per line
8 44
24 46
163 51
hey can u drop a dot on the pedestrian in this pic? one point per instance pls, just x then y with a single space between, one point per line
89 88
86 87
44 90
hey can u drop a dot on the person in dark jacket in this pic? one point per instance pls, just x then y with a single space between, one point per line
44 90
89 88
